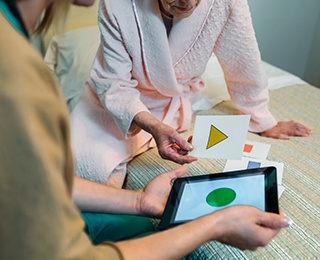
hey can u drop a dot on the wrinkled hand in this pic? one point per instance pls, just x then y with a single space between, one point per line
155 194
172 146
285 129
247 227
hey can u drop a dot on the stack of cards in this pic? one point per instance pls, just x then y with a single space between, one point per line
224 137
254 156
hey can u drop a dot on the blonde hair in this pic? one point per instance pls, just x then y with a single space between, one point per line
55 15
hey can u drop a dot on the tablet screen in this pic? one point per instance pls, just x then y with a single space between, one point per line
201 198
195 196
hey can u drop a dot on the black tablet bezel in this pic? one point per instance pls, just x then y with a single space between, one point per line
271 191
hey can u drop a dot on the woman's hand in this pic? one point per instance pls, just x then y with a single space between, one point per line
285 129
243 227
155 194
170 144
247 227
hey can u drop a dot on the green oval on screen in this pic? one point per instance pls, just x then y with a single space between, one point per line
221 197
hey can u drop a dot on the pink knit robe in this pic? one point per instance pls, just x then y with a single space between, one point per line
139 68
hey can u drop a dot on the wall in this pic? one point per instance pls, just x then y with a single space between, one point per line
288 33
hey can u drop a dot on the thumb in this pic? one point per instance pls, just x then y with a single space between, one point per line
184 145
177 173
284 137
275 221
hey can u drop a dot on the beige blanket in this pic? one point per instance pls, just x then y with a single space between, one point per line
301 177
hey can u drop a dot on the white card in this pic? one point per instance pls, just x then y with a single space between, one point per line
220 136
248 163
280 190
256 150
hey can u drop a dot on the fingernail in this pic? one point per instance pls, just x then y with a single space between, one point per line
286 222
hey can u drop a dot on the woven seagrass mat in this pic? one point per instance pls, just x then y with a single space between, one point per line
301 177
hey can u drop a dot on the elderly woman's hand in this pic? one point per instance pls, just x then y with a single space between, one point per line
170 144
283 130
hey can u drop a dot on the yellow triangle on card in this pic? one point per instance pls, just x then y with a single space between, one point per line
215 137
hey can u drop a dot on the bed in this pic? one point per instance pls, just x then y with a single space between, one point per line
70 57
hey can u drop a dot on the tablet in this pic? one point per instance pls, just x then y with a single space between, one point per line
195 196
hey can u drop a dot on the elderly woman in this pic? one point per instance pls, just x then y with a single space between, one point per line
149 63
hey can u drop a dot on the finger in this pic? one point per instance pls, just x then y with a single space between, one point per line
183 144
177 173
292 128
182 159
177 149
281 213
274 221
302 130
278 135
175 155
275 135
187 159
300 133
282 136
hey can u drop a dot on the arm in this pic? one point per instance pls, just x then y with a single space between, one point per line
170 144
111 73
239 226
150 201
94 197
116 88
238 53
243 227
246 80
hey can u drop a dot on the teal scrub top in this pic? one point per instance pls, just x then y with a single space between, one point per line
11 12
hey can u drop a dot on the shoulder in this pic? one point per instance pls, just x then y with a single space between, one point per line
26 81
116 8
21 63
117 16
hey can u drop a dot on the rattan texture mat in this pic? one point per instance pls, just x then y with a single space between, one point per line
301 177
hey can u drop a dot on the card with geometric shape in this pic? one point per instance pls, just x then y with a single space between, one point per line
220 136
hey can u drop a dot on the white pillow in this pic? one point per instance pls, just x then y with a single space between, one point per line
70 56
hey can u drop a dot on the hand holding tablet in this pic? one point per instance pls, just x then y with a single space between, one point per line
195 196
